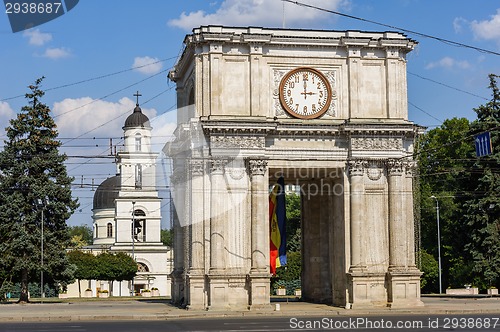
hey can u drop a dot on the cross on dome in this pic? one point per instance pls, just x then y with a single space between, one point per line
137 95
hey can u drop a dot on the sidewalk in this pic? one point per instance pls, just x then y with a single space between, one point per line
162 310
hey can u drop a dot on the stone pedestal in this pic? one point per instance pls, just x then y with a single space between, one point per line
197 295
366 290
404 288
259 291
218 293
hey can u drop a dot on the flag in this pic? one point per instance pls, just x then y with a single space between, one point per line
277 225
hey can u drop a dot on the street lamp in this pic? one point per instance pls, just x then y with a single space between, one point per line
439 243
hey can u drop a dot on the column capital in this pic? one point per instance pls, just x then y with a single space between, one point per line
197 167
257 166
217 166
410 167
357 167
395 167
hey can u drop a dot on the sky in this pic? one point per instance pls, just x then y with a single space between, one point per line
96 56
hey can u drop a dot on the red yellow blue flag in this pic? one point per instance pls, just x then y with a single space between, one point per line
277 225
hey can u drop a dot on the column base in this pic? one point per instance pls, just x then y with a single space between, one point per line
177 290
197 299
260 285
366 290
404 288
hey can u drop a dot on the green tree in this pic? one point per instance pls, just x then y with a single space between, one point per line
166 237
80 236
483 204
85 266
31 168
444 158
117 267
293 229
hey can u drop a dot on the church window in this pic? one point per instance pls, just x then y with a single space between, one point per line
138 142
110 229
139 226
138 176
96 228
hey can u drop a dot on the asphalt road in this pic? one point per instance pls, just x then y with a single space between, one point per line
257 324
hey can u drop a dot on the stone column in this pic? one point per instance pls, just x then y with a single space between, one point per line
259 272
403 278
410 167
178 282
356 172
195 274
218 194
397 211
218 279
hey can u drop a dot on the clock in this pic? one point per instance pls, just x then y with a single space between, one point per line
305 93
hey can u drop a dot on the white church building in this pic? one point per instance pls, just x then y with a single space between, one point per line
127 216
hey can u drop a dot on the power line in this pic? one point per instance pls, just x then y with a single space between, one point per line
446 41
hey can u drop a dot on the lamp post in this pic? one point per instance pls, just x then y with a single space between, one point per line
133 242
439 243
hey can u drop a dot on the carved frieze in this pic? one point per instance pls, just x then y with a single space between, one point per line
376 143
242 142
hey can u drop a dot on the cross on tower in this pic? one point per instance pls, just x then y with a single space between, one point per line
137 95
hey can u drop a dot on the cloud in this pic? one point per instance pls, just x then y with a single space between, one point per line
36 37
257 12
487 29
6 111
56 53
458 23
81 116
147 65
449 63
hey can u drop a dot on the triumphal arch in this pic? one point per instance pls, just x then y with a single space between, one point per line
327 110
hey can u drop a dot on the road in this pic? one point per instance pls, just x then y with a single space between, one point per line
257 324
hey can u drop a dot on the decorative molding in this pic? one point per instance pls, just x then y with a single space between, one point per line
257 166
374 171
395 167
356 167
217 166
376 143
197 167
410 167
243 142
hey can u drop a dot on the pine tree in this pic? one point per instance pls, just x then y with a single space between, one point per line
33 170
483 207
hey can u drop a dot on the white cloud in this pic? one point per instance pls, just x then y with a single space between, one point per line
5 111
75 117
147 65
449 63
56 53
458 22
36 37
487 29
257 12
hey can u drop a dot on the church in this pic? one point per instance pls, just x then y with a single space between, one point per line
127 215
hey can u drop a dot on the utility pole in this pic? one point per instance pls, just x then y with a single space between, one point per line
439 243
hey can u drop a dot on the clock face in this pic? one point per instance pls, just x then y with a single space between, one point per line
305 93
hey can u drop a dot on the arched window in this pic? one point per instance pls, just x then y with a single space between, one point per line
96 229
110 229
141 267
138 142
139 225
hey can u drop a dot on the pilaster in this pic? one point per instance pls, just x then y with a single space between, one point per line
259 272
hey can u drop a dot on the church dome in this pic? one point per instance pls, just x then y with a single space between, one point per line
106 193
137 119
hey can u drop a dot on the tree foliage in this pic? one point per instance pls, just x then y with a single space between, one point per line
166 237
483 206
80 236
31 168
